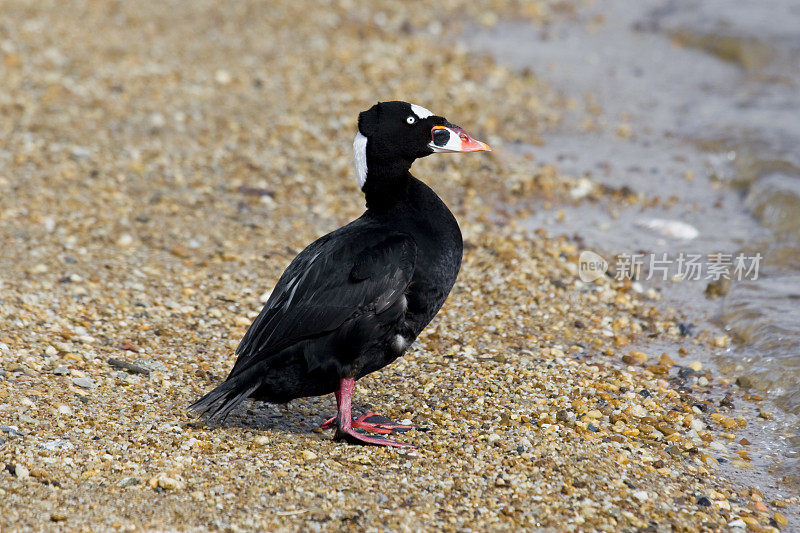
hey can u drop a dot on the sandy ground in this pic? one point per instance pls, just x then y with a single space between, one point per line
161 164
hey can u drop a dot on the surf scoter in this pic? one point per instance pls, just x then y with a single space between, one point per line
354 300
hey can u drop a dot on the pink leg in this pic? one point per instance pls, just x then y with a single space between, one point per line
329 423
371 422
344 420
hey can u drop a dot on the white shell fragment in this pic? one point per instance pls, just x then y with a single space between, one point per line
669 228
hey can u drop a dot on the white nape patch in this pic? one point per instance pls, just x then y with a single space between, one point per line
360 155
420 111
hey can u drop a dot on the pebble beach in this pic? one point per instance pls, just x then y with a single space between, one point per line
162 162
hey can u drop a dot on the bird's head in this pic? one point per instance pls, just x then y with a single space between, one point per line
394 134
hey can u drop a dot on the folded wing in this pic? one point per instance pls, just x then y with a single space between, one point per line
331 281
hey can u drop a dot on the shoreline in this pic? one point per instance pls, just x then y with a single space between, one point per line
631 141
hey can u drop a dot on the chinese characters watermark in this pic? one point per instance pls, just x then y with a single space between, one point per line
683 266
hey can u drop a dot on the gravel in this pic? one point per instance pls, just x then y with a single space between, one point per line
131 232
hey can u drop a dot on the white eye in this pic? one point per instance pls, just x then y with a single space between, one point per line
411 120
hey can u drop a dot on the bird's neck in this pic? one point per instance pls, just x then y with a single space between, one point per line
386 183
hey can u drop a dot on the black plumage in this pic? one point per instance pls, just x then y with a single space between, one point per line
355 299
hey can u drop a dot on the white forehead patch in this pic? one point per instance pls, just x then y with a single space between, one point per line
420 111
360 156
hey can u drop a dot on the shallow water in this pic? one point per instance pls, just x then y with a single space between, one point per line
696 105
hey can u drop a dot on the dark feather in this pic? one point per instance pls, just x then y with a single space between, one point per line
338 277
217 404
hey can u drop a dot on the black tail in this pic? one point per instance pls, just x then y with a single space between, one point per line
217 404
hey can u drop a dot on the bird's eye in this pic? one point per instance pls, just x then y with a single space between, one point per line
411 120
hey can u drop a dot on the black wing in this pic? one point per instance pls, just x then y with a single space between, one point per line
354 270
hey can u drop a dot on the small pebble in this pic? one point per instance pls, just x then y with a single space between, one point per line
21 471
222 77
697 424
723 504
718 447
12 431
737 524
666 361
634 357
167 483
308 455
41 474
62 346
57 444
85 383
150 364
